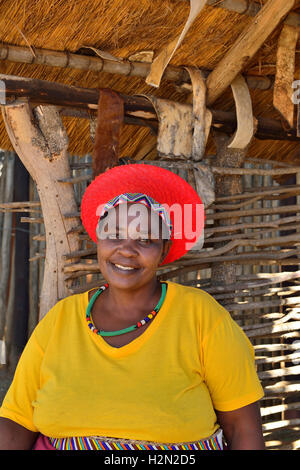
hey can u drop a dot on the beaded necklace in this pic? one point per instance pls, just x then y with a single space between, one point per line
148 318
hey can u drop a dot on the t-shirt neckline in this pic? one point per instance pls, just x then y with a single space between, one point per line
135 343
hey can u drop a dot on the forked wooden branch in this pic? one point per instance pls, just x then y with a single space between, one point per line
41 143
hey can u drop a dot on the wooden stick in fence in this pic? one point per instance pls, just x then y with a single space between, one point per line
254 225
91 267
265 304
250 201
81 253
86 287
240 226
264 191
251 280
276 359
16 205
265 292
259 260
76 179
267 254
281 424
37 257
281 388
269 348
32 220
269 410
77 274
274 329
239 240
254 212
270 374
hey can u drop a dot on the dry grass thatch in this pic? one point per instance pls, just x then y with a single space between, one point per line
122 29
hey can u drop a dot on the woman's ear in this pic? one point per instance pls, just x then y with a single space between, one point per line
166 248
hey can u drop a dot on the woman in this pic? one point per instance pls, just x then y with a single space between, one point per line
137 363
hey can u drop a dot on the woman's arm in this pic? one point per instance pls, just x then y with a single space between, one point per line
15 437
242 427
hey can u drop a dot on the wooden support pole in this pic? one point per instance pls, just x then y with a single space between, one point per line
17 337
5 249
41 143
223 273
244 48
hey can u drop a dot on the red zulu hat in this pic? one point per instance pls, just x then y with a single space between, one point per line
186 208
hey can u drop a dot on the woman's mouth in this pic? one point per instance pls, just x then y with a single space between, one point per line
123 268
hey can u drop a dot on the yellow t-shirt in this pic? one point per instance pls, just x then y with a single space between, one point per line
161 387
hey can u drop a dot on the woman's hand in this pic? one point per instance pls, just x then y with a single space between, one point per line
242 427
15 437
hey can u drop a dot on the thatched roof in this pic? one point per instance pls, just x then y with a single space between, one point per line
122 29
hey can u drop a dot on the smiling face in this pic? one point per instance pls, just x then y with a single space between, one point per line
129 249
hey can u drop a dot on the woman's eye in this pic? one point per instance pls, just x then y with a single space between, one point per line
113 236
144 240
117 236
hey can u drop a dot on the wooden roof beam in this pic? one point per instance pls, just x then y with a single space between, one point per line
237 6
246 45
62 59
250 8
82 102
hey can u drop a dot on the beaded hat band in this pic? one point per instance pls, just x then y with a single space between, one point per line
139 198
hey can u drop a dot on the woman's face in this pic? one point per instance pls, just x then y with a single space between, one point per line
129 253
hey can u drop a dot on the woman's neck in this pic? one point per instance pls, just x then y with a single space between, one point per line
134 302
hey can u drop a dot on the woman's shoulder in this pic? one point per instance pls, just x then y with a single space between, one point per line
61 316
195 293
69 300
66 305
198 302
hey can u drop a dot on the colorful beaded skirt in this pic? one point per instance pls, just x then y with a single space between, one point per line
214 442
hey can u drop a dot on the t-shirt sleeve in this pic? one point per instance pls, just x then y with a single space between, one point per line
18 402
229 366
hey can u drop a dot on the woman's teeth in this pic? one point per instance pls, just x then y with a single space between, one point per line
125 268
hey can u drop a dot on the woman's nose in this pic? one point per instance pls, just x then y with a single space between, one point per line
127 247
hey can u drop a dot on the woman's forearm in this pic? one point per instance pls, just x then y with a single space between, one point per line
242 428
246 441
